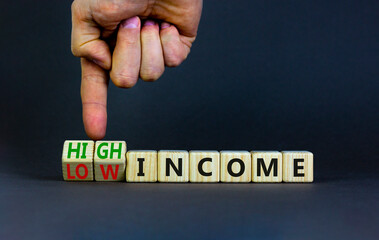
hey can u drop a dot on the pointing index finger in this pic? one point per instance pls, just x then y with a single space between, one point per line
94 88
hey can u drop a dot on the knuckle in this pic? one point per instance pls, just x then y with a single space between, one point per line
123 80
74 6
110 7
151 74
75 51
174 60
77 7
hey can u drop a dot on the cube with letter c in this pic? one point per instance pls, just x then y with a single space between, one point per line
204 166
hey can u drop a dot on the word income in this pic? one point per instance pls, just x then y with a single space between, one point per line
109 161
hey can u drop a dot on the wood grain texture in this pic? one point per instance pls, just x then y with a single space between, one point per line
149 162
77 160
297 163
110 160
231 162
174 157
264 162
209 165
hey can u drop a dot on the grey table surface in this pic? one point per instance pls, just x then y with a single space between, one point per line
46 207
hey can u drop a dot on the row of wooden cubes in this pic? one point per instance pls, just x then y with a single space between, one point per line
109 161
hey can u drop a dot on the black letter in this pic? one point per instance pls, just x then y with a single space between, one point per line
200 167
140 167
230 171
296 167
178 170
261 164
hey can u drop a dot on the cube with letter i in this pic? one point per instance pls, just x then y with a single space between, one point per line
297 166
141 166
110 160
77 160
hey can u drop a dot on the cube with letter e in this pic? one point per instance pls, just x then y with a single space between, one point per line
110 160
77 160
297 166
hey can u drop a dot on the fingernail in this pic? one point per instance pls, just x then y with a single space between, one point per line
130 23
149 23
165 25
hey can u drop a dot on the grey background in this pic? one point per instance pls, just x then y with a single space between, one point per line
262 75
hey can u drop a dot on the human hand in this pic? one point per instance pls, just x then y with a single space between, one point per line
169 28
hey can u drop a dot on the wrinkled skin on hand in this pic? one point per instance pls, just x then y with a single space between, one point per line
126 40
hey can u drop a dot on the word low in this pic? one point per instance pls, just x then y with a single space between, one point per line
109 161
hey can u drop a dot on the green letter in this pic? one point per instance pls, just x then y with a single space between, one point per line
116 150
84 150
70 150
105 150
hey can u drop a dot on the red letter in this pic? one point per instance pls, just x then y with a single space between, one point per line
109 169
85 171
69 173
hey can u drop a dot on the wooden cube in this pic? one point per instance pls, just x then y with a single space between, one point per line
266 166
77 160
173 166
110 160
297 166
141 166
235 166
204 166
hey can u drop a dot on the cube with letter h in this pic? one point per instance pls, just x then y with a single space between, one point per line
77 160
110 160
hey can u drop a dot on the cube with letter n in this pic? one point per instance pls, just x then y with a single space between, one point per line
77 160
110 160
173 166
